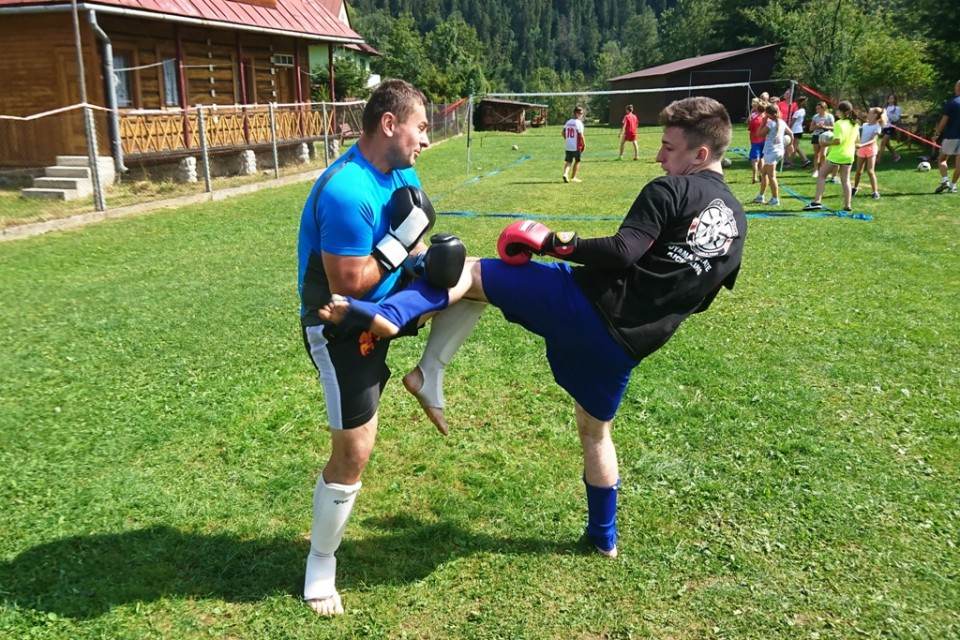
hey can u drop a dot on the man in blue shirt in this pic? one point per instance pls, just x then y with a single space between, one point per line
345 224
949 128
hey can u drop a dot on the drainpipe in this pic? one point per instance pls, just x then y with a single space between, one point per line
115 143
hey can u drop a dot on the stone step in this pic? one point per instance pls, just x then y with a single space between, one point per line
68 172
52 194
62 183
83 161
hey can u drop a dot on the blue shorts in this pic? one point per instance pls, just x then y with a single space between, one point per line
585 359
756 150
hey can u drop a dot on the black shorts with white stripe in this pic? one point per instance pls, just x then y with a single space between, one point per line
353 371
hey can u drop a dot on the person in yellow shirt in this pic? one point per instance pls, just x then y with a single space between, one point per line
840 152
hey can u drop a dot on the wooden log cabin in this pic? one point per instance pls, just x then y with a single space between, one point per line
165 57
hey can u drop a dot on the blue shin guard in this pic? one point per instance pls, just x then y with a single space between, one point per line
602 516
400 308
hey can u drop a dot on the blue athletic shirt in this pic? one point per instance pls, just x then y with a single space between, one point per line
951 109
345 215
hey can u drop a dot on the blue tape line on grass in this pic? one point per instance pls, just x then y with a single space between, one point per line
489 174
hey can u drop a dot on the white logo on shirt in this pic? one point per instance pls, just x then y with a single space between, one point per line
713 231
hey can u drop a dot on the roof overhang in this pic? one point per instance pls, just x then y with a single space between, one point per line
168 17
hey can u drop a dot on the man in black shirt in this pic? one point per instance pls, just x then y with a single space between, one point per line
681 241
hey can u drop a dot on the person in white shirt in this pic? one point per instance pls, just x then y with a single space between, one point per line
821 121
796 128
893 115
573 145
774 147
867 149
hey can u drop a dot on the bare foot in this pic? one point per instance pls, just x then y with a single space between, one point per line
413 382
329 606
336 310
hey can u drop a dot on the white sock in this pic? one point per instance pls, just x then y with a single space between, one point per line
448 330
332 505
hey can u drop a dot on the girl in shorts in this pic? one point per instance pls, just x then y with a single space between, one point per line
893 115
754 126
867 149
796 130
821 121
776 135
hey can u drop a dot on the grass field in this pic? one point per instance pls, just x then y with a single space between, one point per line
790 460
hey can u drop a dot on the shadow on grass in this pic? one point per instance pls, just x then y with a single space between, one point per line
86 576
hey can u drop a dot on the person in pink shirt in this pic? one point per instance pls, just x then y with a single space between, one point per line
755 126
628 132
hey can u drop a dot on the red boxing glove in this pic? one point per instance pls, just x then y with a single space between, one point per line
522 239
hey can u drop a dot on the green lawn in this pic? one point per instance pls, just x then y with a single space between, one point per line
790 460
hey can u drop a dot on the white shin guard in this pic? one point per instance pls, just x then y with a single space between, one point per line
332 505
448 331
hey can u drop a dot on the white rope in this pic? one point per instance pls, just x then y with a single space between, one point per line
44 114
618 91
144 66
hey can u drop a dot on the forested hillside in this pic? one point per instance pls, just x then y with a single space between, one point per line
456 47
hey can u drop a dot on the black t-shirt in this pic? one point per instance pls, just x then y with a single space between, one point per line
697 228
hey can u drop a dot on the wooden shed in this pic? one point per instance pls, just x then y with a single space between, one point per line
753 64
494 114
143 58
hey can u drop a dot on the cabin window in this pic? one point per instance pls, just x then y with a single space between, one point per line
171 87
123 78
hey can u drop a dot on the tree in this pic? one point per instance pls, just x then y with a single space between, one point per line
843 49
688 29
403 52
641 39
349 79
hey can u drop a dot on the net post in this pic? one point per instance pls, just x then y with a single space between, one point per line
469 127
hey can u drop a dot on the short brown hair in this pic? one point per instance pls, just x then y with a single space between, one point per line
630 108
577 110
398 97
704 121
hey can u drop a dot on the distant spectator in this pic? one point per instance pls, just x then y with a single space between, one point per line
820 122
949 128
796 128
893 115
774 146
755 126
840 152
867 150
628 132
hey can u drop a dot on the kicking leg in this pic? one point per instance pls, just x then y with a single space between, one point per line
448 331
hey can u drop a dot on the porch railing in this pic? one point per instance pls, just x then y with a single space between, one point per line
159 132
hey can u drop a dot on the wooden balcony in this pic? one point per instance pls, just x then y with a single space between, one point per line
177 133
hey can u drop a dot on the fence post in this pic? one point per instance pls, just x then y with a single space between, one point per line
273 139
326 141
204 156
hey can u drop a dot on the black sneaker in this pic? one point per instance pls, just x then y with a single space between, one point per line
853 191
807 163
813 206
848 209
944 186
